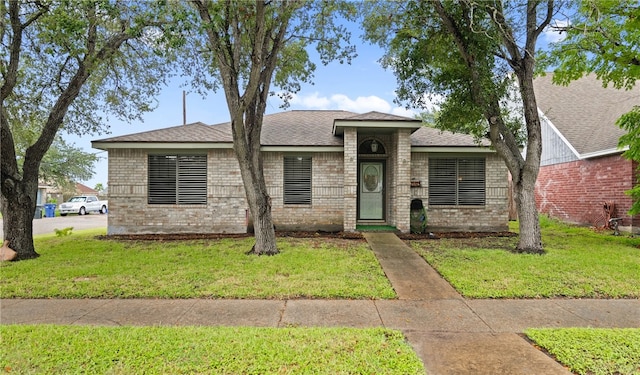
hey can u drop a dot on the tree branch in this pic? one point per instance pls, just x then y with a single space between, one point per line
547 20
14 58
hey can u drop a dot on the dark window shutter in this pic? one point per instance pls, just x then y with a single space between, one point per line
297 180
162 179
442 182
471 182
192 179
177 179
457 181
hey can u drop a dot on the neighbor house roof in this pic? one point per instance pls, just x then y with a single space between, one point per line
584 112
84 189
292 128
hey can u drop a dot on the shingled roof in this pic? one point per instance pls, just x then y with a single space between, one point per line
584 112
291 128
431 137
302 128
196 132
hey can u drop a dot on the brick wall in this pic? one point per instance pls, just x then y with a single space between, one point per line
327 193
225 211
334 194
491 217
402 180
350 197
576 191
129 212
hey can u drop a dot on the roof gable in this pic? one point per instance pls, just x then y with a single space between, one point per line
375 121
379 116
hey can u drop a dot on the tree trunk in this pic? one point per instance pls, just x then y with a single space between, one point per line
264 230
530 234
260 207
524 170
19 205
249 157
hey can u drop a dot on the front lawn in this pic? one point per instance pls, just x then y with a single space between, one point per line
579 263
589 351
81 266
48 349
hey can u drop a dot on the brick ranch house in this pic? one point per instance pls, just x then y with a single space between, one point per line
582 166
325 170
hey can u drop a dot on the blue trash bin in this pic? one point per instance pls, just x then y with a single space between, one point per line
50 210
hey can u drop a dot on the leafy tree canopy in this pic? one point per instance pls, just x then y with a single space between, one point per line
319 24
422 52
601 37
66 35
65 63
480 57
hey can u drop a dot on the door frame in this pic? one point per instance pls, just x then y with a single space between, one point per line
384 189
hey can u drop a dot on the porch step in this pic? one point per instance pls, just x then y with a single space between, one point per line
375 228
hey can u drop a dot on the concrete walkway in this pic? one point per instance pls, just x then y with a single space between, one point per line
450 334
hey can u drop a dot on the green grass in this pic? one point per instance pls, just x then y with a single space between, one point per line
579 263
592 351
81 266
48 349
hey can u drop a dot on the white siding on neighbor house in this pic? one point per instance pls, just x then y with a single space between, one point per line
555 148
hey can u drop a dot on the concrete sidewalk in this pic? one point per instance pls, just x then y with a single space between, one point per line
453 315
450 334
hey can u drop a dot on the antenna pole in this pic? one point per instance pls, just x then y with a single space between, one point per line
184 107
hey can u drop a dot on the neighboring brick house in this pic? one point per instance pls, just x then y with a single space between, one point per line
325 170
582 166
82 189
55 194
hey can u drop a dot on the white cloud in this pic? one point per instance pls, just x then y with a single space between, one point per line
551 33
313 101
361 103
401 111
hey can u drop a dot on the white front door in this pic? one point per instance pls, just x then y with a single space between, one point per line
371 192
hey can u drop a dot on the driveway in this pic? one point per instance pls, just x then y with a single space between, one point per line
48 224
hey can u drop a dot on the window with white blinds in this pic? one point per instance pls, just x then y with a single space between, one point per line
457 181
297 180
177 179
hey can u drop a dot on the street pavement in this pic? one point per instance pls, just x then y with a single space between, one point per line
450 334
47 225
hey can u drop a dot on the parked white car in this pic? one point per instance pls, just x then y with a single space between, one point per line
83 204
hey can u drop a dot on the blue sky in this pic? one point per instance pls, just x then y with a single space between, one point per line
360 87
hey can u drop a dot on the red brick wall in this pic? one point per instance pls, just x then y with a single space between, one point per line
576 191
